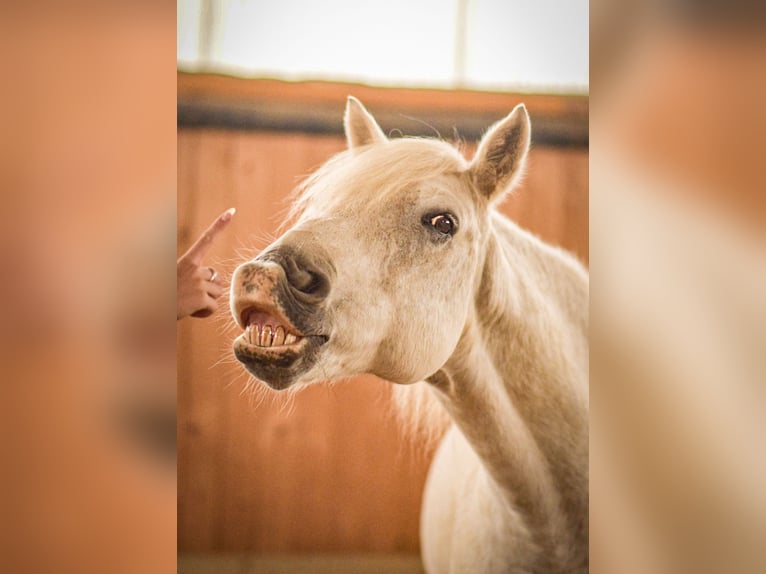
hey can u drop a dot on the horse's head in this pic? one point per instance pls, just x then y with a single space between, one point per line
379 271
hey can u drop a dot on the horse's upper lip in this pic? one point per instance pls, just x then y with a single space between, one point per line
261 315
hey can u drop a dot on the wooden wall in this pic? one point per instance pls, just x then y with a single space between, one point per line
325 470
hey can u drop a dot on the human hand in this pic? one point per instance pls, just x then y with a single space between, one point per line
199 286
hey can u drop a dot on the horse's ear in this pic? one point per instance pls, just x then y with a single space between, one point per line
361 127
501 154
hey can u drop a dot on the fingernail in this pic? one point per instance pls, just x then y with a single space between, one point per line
229 213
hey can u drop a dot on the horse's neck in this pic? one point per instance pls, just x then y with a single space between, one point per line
517 382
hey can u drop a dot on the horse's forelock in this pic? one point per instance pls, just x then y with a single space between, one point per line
352 176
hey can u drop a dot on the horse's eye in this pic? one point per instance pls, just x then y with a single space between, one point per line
443 223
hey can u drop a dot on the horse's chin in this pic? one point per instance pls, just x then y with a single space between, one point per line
279 367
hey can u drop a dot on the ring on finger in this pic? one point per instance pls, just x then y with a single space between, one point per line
213 274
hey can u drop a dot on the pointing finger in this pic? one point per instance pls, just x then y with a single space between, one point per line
197 251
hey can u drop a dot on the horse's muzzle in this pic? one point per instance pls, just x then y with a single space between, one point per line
276 299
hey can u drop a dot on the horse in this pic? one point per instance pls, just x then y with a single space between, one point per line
399 264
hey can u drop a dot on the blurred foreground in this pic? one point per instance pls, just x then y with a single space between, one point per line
678 222
87 226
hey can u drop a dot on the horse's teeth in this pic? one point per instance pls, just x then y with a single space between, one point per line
266 336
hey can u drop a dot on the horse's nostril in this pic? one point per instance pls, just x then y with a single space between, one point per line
309 282
303 274
306 281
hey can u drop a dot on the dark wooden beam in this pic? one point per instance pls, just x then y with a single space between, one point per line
215 101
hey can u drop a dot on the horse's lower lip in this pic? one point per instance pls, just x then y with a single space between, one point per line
279 367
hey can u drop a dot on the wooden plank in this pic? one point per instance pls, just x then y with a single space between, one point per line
196 85
203 420
282 480
325 470
209 100
243 564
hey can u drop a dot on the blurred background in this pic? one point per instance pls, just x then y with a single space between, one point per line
325 480
87 341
